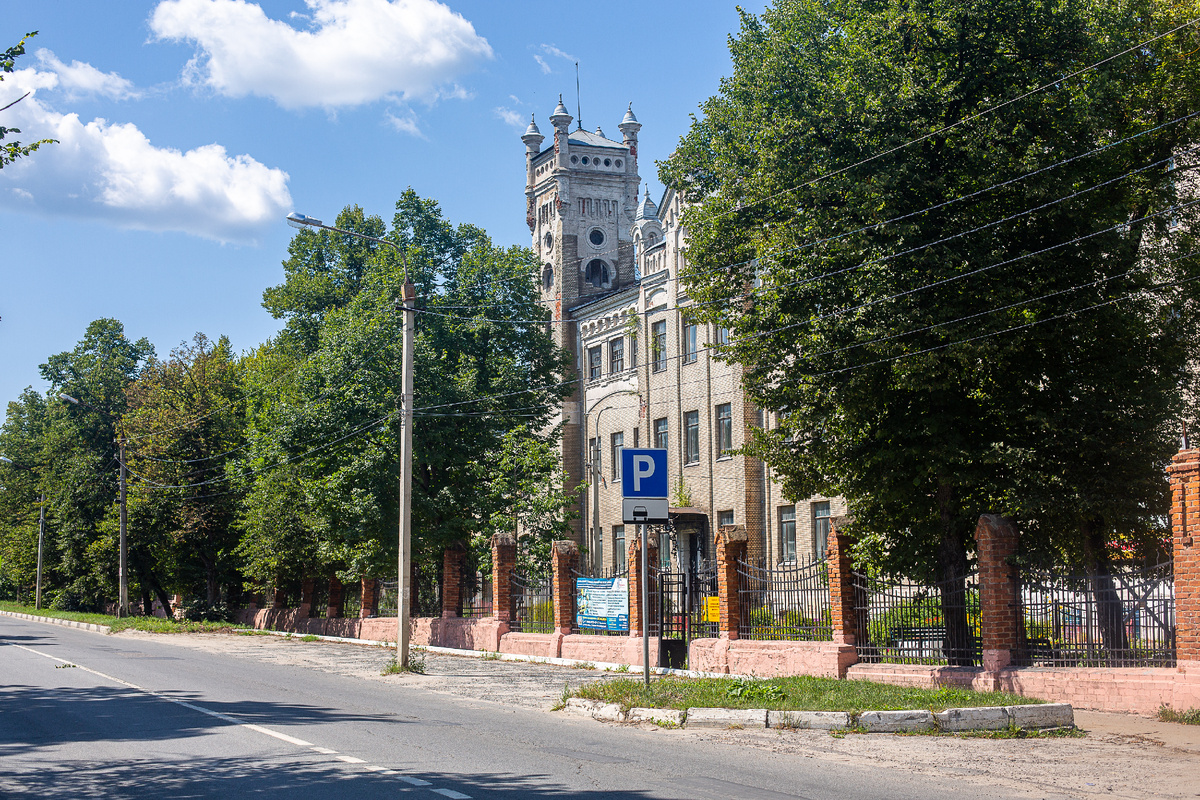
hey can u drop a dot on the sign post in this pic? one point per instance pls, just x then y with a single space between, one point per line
644 503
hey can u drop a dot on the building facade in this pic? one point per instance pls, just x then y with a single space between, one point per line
647 375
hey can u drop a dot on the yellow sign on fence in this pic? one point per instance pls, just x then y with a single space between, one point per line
712 609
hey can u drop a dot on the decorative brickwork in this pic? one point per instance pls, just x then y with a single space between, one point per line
452 581
841 583
504 562
731 548
370 598
306 598
564 558
1184 473
634 550
1000 621
336 606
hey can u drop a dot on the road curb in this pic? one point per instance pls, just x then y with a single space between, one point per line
952 720
66 623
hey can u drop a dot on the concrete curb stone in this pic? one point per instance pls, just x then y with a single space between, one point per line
725 718
993 718
605 712
1048 715
66 623
809 720
896 721
659 716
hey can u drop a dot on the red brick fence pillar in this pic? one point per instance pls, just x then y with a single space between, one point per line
1184 474
731 548
637 580
842 593
504 563
452 581
564 557
1000 619
306 598
335 607
370 598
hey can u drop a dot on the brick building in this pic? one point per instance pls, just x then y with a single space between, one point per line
647 376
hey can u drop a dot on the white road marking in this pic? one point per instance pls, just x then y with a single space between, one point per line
450 793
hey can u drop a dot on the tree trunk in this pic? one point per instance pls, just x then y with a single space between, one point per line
959 644
1110 617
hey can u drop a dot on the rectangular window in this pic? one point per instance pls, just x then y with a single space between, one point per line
594 363
787 532
821 525
724 430
689 343
722 335
660 433
636 431
658 345
619 556
633 351
618 444
724 519
616 355
691 437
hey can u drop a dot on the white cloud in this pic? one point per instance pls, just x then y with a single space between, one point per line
554 52
406 124
80 79
514 118
353 51
550 49
542 63
111 172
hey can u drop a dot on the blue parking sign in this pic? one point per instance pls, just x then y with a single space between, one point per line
644 472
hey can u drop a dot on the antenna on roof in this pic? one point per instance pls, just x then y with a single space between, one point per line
578 105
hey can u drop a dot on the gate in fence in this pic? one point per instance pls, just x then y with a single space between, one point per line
686 610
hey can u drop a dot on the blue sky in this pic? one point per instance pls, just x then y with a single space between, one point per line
190 128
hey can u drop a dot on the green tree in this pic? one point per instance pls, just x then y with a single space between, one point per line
185 417
22 440
929 361
485 368
11 151
80 452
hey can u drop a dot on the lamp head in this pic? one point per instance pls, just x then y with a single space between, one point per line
298 220
68 398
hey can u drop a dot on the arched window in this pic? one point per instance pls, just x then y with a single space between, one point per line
597 274
548 277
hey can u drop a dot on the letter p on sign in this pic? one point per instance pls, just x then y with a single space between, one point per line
643 467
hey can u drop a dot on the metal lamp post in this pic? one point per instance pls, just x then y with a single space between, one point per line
403 589
37 592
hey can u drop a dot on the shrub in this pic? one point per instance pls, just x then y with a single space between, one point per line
203 611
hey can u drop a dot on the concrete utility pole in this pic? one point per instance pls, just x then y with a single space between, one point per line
404 547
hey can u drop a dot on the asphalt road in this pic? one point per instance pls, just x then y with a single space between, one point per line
88 715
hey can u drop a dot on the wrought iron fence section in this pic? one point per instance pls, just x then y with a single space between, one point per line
1126 619
477 597
387 599
684 604
901 621
784 602
533 604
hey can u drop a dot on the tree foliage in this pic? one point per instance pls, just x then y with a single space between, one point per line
11 151
953 319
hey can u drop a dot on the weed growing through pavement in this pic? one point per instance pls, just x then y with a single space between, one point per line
310 638
583 665
562 700
622 668
416 664
1189 717
489 655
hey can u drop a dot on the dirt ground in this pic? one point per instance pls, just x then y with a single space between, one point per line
1120 756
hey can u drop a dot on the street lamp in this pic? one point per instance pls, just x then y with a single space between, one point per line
122 561
403 591
37 592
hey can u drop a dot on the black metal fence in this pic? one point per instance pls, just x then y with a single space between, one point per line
533 604
387 599
900 621
1124 619
476 596
785 602
684 604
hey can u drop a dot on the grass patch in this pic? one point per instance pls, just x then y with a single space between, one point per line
310 637
798 693
116 624
1189 717
416 664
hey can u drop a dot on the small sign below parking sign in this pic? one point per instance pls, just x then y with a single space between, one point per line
644 486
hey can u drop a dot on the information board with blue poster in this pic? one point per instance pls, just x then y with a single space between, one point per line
602 603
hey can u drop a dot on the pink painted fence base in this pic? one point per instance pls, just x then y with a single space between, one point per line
771 659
